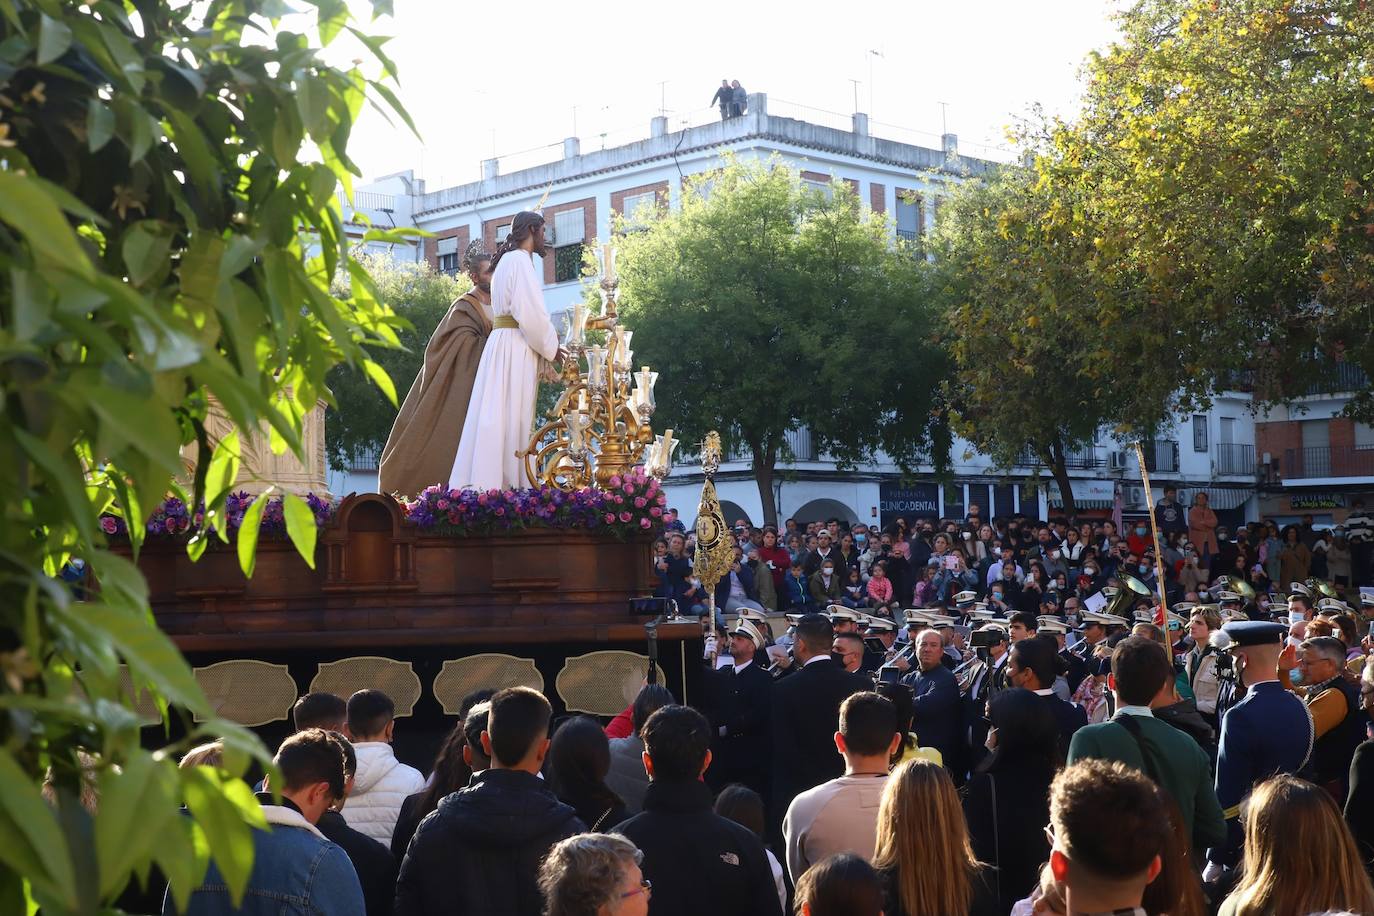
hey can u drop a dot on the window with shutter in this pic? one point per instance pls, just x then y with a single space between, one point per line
638 209
569 227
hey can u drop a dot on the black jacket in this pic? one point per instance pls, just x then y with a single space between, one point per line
1010 835
479 852
739 704
806 715
406 822
1070 718
698 861
371 860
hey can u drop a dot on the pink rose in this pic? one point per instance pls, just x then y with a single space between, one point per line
656 512
108 525
501 511
454 494
442 504
610 518
630 489
663 499
615 480
625 516
640 502
482 499
644 523
170 525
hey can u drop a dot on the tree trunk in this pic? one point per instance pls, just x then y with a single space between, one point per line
1058 468
765 458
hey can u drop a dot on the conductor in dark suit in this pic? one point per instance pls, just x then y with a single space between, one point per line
740 712
806 714
938 721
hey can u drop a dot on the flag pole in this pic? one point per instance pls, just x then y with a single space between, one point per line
1154 530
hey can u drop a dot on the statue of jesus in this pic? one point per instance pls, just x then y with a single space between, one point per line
500 414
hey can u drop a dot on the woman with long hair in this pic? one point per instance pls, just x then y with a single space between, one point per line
923 852
1299 855
775 557
1007 803
451 770
578 760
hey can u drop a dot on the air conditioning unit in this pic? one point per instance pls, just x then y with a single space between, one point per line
1116 461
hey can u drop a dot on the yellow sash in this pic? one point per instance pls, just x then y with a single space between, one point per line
505 321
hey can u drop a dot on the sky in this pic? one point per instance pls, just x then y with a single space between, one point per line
514 77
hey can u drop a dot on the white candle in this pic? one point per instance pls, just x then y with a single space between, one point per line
607 262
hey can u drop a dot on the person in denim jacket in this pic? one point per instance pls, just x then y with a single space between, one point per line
296 871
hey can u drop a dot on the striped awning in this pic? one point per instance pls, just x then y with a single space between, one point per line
1219 498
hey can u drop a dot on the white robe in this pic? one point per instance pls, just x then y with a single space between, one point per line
500 415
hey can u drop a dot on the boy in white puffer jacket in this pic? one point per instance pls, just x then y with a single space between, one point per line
382 782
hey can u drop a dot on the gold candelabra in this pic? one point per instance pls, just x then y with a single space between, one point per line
600 426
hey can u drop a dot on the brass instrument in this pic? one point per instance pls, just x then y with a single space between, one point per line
1240 587
1323 588
967 673
1132 589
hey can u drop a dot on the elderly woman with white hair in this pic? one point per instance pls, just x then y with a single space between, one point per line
594 874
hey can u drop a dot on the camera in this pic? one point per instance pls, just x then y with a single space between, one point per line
651 607
982 639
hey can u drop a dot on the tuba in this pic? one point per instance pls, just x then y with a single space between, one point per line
1323 588
1132 589
1240 587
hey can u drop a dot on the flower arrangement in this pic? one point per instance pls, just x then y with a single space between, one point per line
173 517
632 503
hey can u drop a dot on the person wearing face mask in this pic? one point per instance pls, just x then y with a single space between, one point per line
1224 557
1138 541
1268 732
825 585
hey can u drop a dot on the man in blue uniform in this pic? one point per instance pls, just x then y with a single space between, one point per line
1266 733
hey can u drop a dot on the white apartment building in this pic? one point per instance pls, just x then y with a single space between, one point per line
893 170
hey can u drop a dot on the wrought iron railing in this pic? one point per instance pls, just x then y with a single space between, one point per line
1236 459
1327 461
1161 456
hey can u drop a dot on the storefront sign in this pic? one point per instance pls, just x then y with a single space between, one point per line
911 500
1301 501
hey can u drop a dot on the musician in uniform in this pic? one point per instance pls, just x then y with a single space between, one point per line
1266 733
979 680
843 619
742 693
1052 628
882 631
1094 630
1299 601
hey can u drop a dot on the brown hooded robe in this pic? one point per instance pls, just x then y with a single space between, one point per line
420 450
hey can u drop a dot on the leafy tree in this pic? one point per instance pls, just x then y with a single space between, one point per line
767 307
1030 371
1227 152
162 170
422 297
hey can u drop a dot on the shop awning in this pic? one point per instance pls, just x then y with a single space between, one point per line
1087 494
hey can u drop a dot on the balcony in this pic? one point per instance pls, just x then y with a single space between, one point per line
1327 461
1079 459
909 235
1161 456
1236 460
